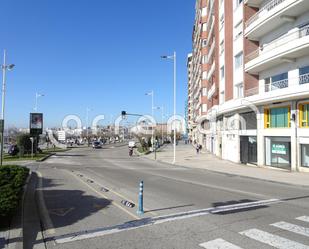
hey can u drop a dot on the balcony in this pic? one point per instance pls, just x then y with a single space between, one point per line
284 49
272 15
277 85
253 3
211 91
211 71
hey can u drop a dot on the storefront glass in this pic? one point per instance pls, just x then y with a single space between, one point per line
278 152
305 155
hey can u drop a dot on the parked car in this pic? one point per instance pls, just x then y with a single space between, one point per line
96 145
13 150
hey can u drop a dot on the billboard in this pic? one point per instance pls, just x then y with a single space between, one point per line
36 124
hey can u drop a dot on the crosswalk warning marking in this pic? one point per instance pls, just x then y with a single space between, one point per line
292 228
219 244
273 240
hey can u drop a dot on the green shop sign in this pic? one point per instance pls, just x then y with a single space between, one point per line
278 149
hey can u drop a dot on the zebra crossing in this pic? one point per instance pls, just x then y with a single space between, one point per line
266 237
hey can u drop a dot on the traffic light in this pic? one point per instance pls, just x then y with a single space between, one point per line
123 114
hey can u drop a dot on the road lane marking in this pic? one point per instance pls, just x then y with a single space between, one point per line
303 218
292 228
104 196
219 244
150 221
147 210
273 240
48 224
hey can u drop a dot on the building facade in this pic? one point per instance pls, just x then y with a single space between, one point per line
257 82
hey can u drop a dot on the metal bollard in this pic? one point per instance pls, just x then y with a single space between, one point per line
140 210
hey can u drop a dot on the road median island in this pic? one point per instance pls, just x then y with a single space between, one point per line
12 180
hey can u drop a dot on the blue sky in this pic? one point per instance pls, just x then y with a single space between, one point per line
93 53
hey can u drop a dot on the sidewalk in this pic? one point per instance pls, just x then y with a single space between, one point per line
186 156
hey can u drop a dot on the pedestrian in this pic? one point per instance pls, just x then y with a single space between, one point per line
197 148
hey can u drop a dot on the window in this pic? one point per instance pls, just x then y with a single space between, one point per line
222 95
204 43
238 60
204 27
204 76
204 108
221 47
204 11
239 90
278 117
275 82
238 2
238 30
222 20
222 72
304 75
204 59
204 91
304 115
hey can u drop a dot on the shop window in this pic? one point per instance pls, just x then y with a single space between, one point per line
304 115
305 155
278 117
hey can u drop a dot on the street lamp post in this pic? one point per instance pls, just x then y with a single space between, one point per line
87 117
173 57
37 95
152 109
162 119
4 68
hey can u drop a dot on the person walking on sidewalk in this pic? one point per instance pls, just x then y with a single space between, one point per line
197 148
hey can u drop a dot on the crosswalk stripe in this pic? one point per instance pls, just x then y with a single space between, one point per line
292 228
218 244
273 240
303 218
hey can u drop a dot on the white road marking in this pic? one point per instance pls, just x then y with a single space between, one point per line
48 224
273 240
303 218
159 220
292 228
218 244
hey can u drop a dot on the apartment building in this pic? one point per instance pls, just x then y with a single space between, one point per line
257 81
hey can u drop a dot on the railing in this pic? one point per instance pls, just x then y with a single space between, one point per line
276 85
304 79
290 37
266 8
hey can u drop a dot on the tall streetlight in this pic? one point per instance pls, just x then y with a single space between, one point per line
162 118
4 68
173 57
87 117
152 109
37 95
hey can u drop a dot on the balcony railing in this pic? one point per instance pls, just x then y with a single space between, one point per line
266 8
290 37
276 85
304 79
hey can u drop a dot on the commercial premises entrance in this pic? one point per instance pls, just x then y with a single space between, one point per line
278 152
248 149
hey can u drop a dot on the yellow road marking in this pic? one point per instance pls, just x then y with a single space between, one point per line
99 193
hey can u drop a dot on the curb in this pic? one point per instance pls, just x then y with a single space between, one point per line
46 157
227 173
16 234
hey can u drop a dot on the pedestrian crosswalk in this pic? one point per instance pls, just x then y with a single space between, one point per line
267 238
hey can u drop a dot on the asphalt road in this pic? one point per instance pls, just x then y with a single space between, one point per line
79 196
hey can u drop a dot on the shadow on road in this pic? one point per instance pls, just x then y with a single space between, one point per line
64 207
238 210
168 208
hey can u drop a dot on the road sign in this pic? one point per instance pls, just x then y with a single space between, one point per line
61 135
